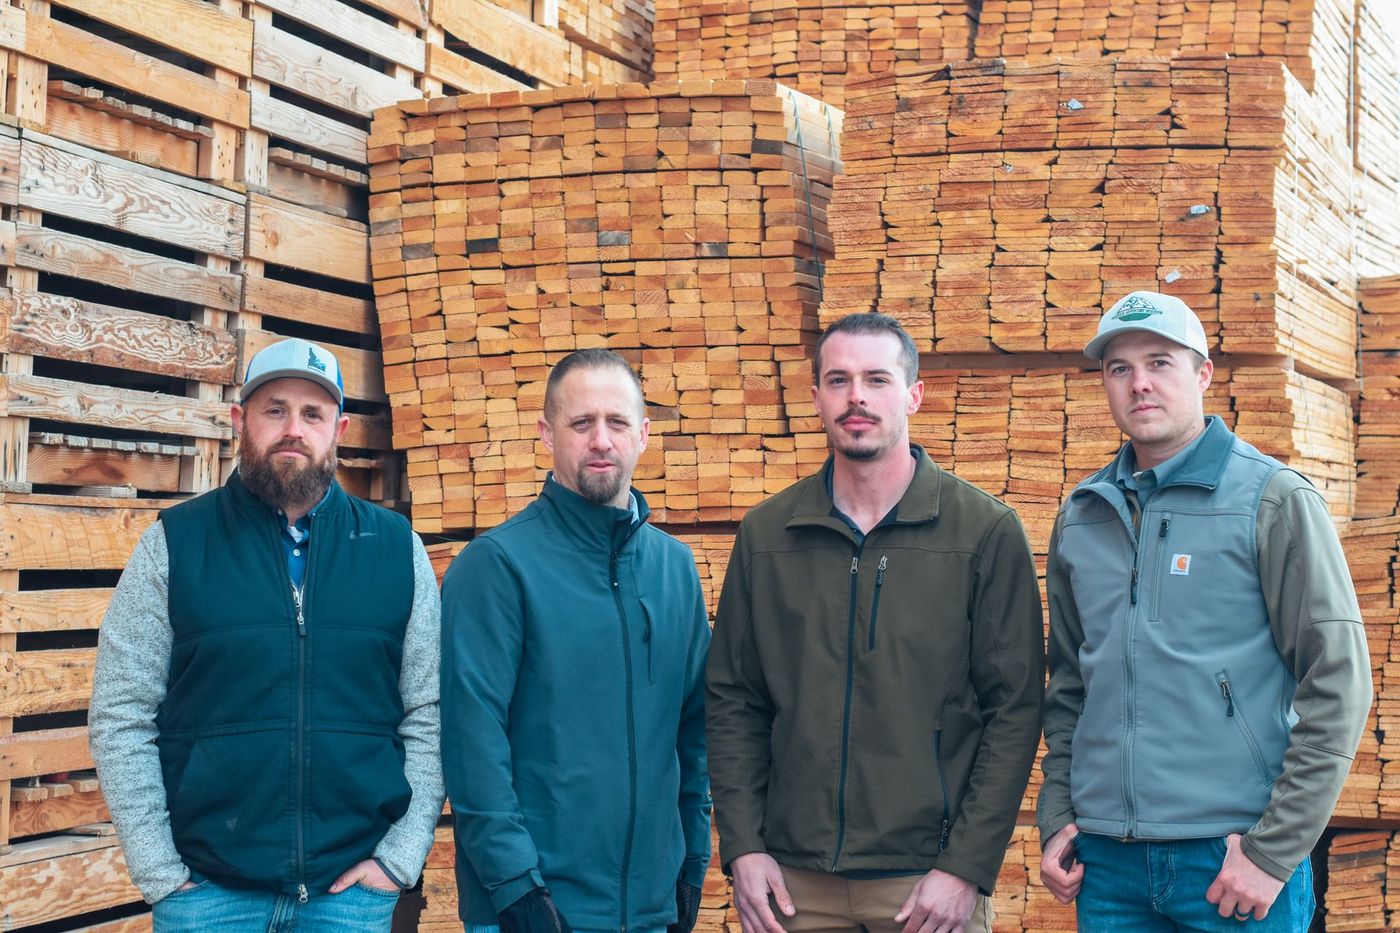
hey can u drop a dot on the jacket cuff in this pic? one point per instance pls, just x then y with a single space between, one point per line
160 890
391 874
1251 851
967 872
693 870
514 889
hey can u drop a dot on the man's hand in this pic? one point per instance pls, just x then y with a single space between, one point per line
939 903
367 873
1061 874
1242 888
186 886
755 875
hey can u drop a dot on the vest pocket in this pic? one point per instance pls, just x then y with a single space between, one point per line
1235 711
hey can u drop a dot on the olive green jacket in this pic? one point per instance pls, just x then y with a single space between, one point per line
876 706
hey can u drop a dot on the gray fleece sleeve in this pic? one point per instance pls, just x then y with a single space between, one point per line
404 848
128 686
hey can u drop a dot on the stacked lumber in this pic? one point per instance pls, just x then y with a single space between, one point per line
1313 37
1378 408
1020 903
680 225
1359 881
1000 206
1375 140
814 47
619 30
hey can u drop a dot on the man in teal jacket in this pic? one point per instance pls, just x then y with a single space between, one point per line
574 644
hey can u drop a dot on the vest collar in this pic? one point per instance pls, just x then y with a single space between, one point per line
919 503
244 499
1203 468
592 525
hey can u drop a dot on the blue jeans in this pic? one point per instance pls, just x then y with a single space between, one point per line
208 907
1160 887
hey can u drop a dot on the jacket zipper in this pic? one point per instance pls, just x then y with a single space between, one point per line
1129 675
875 603
1223 679
1164 528
943 786
299 598
846 714
631 743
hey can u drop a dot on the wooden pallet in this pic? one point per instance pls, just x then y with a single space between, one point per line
681 225
994 206
815 48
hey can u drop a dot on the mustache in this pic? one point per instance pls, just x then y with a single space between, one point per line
297 446
858 412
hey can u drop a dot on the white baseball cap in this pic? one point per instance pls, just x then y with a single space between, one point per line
294 358
1164 315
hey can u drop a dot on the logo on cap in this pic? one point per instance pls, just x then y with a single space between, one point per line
1135 308
313 362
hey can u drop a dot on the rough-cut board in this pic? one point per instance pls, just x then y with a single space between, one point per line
81 466
55 814
526 46
272 298
140 923
53 610
74 49
54 883
30 754
97 188
115 132
72 532
324 134
361 370
9 163
128 409
464 75
304 67
198 29
304 239
12 28
351 26
122 267
410 11
45 681
66 328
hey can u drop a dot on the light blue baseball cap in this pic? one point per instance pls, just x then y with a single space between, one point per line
1164 315
295 358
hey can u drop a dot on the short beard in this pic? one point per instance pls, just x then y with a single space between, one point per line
288 487
600 490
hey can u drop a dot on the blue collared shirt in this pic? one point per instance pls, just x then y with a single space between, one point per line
1146 482
296 539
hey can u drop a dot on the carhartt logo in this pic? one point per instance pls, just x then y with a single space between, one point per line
313 362
1136 308
1181 565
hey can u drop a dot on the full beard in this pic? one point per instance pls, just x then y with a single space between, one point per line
286 484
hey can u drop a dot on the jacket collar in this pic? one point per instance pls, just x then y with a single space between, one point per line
591 525
918 504
1203 468
244 499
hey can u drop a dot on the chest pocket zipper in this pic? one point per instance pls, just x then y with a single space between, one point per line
875 602
1162 571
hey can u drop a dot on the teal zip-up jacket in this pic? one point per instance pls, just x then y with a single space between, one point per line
574 643
1208 666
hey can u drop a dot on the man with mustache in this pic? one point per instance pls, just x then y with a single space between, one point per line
574 643
1209 677
875 681
264 712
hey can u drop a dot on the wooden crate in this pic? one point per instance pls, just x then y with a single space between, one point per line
118 290
816 48
59 560
994 206
153 82
681 225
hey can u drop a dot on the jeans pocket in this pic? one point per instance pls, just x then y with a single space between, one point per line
378 892
181 892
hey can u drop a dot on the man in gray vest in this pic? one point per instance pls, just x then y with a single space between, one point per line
264 710
1209 678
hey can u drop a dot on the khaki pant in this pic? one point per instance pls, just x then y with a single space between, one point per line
828 903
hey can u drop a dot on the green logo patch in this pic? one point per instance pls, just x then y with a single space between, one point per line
313 362
1135 308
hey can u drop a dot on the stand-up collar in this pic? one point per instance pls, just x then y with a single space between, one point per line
244 499
590 524
918 504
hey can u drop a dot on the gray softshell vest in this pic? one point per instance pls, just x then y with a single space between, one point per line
1187 702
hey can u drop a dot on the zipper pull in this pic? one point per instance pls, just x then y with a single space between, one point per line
1133 589
612 569
1229 698
302 896
943 836
855 564
301 618
880 570
1164 528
